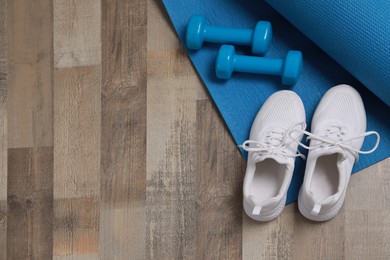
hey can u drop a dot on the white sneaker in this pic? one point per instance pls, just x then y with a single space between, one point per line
271 154
338 131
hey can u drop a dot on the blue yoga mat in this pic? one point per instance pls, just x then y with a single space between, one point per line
240 98
353 32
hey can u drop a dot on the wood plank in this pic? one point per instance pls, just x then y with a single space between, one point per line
77 136
269 240
30 203
171 166
367 234
3 131
174 64
30 73
370 185
367 213
220 169
76 159
123 142
30 129
76 228
319 240
173 89
161 35
166 54
77 115
77 33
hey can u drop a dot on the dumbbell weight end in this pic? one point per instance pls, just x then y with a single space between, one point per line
289 68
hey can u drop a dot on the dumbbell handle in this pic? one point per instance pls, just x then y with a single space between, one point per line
228 35
258 65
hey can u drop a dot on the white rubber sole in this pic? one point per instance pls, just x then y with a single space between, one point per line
320 217
273 215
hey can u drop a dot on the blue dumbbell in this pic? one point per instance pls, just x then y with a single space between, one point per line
228 62
198 31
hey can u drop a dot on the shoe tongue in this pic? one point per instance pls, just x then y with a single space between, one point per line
278 159
328 150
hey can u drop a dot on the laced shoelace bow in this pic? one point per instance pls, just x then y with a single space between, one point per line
334 137
277 142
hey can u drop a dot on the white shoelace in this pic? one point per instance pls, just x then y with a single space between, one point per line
277 143
334 137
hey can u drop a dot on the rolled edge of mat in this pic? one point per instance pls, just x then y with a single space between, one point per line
354 33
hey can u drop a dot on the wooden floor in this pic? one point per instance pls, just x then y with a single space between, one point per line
110 148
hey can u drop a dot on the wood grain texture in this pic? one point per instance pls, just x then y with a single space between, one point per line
166 55
77 40
171 166
77 124
315 239
77 136
218 188
161 35
123 141
30 129
30 203
30 73
76 228
76 160
110 148
3 131
171 146
367 213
